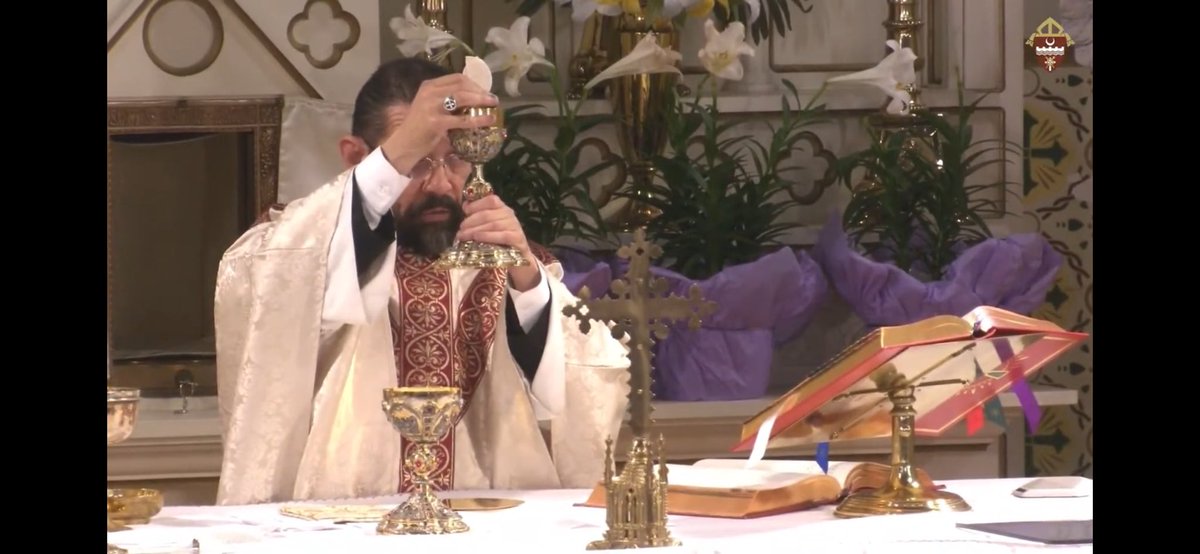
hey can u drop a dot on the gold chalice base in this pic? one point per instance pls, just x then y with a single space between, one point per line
133 506
632 544
901 500
480 255
422 515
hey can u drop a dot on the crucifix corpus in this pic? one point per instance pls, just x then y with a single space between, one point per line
638 306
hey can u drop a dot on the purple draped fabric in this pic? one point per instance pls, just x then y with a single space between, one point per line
1013 273
760 304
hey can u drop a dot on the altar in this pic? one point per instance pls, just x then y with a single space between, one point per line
180 454
549 521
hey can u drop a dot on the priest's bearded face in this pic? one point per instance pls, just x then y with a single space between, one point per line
429 212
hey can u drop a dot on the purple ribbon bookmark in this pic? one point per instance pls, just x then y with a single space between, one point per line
1020 387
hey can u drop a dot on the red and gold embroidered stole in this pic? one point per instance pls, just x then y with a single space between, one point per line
432 350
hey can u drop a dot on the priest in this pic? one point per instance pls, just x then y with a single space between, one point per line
334 297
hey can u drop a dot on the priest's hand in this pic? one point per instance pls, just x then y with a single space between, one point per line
418 129
490 220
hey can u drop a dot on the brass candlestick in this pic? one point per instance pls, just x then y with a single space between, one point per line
122 416
639 102
433 13
478 146
635 501
902 26
592 56
422 415
903 493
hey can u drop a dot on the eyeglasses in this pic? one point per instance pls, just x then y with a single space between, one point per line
453 164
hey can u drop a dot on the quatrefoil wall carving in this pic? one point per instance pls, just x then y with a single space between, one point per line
323 31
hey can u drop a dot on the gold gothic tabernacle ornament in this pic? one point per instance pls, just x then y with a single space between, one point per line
636 500
478 146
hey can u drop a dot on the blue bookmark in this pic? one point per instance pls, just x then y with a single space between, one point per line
823 456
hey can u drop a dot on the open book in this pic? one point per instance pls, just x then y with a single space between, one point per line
728 489
954 364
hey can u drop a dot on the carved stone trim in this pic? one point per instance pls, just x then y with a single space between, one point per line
214 47
266 42
339 48
166 458
262 116
129 21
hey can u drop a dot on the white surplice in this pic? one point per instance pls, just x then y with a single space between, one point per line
304 351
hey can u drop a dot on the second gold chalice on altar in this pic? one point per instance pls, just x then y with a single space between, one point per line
122 416
478 146
422 415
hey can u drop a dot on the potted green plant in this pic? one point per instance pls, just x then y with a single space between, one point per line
546 186
913 241
721 197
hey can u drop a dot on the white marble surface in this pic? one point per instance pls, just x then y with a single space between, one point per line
549 521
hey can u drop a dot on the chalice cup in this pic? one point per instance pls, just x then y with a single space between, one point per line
122 416
422 415
478 146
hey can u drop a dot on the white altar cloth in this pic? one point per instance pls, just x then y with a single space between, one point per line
550 522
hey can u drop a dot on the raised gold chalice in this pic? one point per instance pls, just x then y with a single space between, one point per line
423 415
478 146
122 416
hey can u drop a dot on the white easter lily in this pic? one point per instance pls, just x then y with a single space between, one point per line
755 9
722 48
647 57
515 53
416 36
582 9
891 75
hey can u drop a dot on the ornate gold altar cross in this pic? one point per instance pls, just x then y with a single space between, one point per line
639 306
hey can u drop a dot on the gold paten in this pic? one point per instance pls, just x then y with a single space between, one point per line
483 504
422 415
122 416
636 500
478 146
